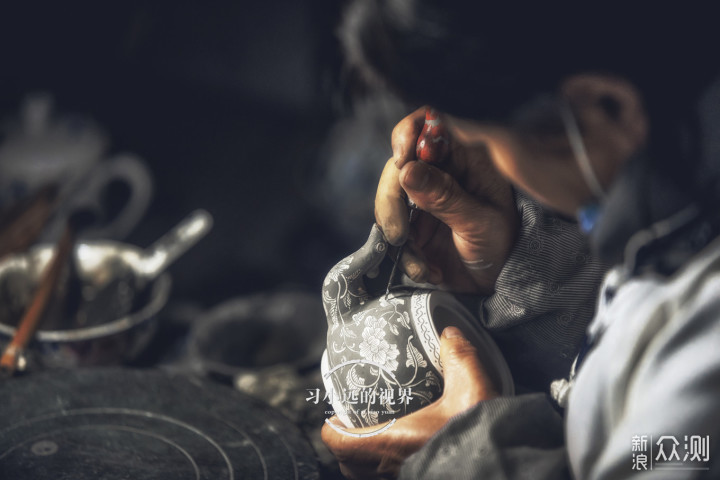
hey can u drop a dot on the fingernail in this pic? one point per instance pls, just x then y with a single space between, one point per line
415 270
417 177
452 332
394 235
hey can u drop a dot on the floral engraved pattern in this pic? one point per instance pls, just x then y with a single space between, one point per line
379 330
375 348
337 270
383 331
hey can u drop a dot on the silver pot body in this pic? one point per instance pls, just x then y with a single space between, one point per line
124 312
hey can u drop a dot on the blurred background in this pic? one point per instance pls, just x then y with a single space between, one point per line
230 104
244 109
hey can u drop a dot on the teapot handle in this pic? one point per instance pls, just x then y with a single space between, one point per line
132 171
344 286
87 194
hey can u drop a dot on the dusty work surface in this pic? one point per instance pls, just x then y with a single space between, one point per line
131 424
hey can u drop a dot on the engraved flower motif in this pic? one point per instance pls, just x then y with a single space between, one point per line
337 270
375 348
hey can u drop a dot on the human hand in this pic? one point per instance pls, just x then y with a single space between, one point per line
467 222
381 455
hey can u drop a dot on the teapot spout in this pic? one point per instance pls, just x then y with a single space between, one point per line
344 286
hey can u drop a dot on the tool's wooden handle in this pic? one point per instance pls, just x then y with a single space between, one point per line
23 223
31 319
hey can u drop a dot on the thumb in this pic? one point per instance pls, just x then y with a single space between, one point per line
437 193
466 381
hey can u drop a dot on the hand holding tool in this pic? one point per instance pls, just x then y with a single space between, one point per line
432 147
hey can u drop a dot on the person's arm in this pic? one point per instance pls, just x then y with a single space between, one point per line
466 222
465 225
504 438
545 296
530 268
539 312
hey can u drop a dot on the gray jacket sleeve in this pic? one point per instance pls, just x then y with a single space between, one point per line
545 297
504 438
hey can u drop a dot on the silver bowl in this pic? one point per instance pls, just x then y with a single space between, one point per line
109 298
118 305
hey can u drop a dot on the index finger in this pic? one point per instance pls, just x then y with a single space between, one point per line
405 136
391 211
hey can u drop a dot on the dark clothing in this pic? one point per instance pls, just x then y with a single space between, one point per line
653 369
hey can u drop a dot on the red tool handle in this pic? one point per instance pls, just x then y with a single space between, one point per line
433 142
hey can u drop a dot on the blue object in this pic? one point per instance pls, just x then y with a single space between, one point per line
588 215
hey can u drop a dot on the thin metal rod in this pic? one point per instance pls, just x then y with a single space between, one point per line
412 208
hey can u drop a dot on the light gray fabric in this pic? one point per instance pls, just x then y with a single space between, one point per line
655 370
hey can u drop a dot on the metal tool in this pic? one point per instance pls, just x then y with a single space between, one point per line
432 147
